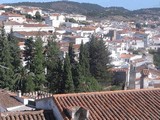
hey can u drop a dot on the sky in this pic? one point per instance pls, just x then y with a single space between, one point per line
128 4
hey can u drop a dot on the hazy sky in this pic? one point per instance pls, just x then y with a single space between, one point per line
129 4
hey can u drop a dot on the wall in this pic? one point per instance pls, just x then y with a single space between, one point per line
79 40
12 108
46 104
2 109
56 112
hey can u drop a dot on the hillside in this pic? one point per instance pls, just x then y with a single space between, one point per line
91 10
66 6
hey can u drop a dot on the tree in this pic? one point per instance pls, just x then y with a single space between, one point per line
83 81
59 77
71 54
38 16
28 54
15 52
68 86
24 81
71 20
38 64
28 16
138 26
54 67
84 60
6 70
99 60
156 58
29 85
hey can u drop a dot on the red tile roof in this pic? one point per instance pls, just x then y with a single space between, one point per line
7 100
11 23
28 115
126 56
140 68
35 25
12 15
84 28
152 71
34 33
117 105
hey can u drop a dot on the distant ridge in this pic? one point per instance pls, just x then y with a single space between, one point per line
88 9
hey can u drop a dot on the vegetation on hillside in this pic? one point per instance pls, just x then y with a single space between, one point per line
90 10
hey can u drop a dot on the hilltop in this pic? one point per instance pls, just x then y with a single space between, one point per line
91 10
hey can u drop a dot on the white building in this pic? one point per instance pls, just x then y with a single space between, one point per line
55 20
12 17
25 35
76 39
31 10
1 12
27 27
77 17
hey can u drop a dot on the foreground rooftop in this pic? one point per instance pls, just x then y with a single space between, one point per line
132 104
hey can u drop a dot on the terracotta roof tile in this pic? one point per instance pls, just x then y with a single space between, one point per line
34 33
117 105
154 72
7 100
84 28
126 55
28 115
12 15
35 25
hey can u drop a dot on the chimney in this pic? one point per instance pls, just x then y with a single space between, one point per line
144 80
19 94
77 113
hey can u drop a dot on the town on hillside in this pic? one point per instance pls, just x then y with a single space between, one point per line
63 66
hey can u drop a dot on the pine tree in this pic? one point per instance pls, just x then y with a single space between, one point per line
99 60
52 64
38 64
6 70
68 86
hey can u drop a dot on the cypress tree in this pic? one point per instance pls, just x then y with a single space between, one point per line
53 66
68 86
15 52
156 58
71 54
28 54
99 60
6 70
28 85
84 81
38 64
59 77
84 60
